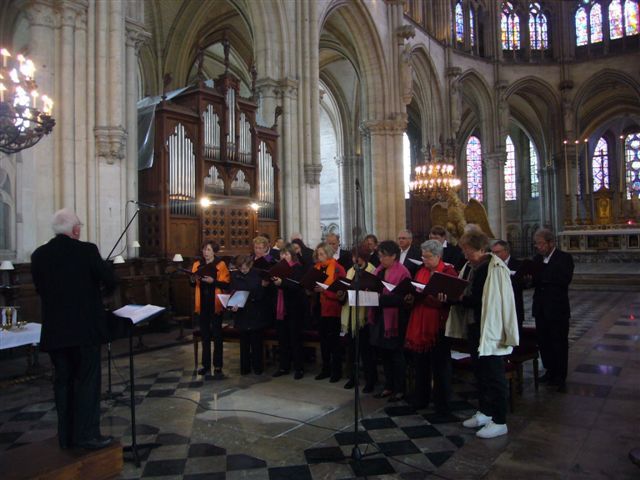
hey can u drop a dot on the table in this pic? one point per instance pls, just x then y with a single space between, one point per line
17 337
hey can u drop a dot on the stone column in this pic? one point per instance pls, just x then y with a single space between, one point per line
494 191
136 35
267 90
82 102
388 183
349 167
37 171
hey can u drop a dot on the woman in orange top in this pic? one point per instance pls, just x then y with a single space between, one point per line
330 309
210 276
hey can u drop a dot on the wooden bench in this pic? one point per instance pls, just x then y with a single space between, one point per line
46 461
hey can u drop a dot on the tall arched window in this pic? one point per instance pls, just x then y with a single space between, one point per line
600 165
459 22
582 31
533 171
474 169
510 24
472 30
595 23
537 27
615 20
631 17
510 172
632 163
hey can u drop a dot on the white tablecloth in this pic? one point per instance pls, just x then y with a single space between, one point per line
29 334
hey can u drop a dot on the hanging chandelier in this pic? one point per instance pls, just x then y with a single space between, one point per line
22 124
435 178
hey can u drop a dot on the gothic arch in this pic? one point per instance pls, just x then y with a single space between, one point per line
427 95
477 96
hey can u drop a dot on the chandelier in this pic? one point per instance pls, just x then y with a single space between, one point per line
22 124
435 178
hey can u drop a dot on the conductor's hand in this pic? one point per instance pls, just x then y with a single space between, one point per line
277 281
207 279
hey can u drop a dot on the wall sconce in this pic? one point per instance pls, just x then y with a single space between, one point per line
177 258
118 259
254 206
135 244
5 267
205 202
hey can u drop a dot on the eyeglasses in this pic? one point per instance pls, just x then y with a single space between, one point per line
403 238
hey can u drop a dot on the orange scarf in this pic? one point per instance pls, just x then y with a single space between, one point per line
329 268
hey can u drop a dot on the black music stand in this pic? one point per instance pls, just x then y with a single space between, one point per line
125 328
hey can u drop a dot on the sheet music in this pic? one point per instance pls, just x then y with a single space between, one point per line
365 299
138 313
388 286
419 286
455 355
238 299
417 262
322 285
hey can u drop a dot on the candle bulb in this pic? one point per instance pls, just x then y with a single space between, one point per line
34 95
2 89
5 53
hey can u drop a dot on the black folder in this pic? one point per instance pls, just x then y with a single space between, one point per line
452 287
312 276
340 285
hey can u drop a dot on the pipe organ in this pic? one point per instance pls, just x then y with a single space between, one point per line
208 145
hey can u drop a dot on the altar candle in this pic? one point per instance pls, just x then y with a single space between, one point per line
566 169
5 53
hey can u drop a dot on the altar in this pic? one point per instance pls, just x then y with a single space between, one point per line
602 243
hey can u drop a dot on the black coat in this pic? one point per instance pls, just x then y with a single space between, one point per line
256 312
68 275
415 253
295 298
453 254
518 286
345 259
551 295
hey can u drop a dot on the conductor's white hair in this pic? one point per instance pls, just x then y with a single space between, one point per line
63 221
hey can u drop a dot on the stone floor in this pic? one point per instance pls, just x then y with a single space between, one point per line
258 427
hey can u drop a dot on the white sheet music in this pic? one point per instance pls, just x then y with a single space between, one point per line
417 262
138 313
365 299
389 286
238 299
455 355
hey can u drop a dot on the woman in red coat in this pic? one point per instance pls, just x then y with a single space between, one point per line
425 340
330 309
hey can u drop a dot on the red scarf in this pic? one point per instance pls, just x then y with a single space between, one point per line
428 316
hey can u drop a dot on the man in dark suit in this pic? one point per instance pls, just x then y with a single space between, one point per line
451 253
409 252
343 257
371 241
502 250
68 275
553 273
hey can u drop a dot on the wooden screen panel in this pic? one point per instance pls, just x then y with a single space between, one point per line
184 236
233 227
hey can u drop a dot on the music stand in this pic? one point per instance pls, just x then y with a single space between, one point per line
132 315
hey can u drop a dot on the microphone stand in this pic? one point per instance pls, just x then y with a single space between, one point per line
356 453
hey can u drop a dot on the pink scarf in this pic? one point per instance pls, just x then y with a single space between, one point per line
394 275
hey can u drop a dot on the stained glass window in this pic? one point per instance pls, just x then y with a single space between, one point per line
582 37
472 29
459 22
631 17
533 171
510 172
474 169
510 24
632 164
595 23
615 20
537 27
600 165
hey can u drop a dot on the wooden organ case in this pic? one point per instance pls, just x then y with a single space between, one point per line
208 145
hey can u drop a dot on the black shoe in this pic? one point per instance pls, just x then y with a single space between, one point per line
350 384
298 375
368 388
218 375
335 378
279 373
323 375
96 443
204 371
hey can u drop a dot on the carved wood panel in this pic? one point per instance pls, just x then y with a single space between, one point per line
233 227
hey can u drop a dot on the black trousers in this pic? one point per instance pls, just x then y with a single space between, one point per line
76 387
290 342
492 384
251 351
434 365
395 369
211 327
553 341
367 357
329 330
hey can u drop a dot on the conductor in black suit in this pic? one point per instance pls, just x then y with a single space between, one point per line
502 250
409 251
551 309
68 275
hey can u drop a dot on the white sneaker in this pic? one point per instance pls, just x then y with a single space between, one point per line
479 419
492 430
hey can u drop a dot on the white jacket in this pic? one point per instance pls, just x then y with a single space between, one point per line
498 323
